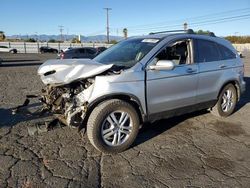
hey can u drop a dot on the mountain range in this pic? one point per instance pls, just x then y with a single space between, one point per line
96 38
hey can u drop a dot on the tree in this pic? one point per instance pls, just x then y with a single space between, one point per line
52 41
75 40
30 40
238 39
125 32
113 42
2 36
201 32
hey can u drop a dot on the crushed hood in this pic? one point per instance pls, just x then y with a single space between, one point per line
59 72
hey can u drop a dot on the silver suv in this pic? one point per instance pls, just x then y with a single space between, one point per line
143 79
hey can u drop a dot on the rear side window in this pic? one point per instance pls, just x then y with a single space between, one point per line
82 51
207 51
90 51
226 53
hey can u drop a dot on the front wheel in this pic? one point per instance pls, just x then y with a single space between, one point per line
226 102
113 126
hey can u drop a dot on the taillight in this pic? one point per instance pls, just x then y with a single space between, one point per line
62 56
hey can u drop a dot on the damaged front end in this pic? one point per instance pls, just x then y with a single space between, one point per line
67 103
69 84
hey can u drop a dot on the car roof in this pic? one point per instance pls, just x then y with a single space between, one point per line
162 36
171 36
84 48
78 48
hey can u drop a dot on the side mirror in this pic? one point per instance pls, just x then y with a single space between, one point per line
163 65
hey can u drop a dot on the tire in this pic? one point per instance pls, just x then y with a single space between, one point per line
99 123
222 107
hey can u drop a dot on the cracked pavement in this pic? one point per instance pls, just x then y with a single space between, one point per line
194 150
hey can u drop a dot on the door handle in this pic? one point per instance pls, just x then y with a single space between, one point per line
223 66
190 70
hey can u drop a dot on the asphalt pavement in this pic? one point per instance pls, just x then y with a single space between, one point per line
194 150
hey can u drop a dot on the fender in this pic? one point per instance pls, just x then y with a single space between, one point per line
132 99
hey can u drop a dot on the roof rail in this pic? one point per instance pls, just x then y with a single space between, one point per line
189 31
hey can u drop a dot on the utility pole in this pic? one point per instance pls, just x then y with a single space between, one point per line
107 9
67 34
61 31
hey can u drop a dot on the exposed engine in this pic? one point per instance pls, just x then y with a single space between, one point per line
67 102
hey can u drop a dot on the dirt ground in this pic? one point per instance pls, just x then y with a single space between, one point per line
194 150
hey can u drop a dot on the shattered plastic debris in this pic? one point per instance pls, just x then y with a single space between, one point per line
39 128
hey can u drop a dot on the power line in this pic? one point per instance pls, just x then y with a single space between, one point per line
192 23
208 19
223 21
96 32
207 16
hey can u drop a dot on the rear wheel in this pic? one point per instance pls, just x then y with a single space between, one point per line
226 102
113 126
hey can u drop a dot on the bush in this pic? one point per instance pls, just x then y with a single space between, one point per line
75 40
53 41
30 40
238 39
201 32
113 42
2 36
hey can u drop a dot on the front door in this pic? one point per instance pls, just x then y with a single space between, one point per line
172 89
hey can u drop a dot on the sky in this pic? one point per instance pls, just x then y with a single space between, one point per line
87 17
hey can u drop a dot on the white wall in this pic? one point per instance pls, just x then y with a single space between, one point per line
242 47
33 47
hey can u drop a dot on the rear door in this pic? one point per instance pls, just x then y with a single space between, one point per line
90 53
172 89
82 53
210 69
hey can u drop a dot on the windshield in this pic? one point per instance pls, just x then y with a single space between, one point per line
127 53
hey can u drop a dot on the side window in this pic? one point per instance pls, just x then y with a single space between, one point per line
81 50
226 53
178 52
207 51
90 51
